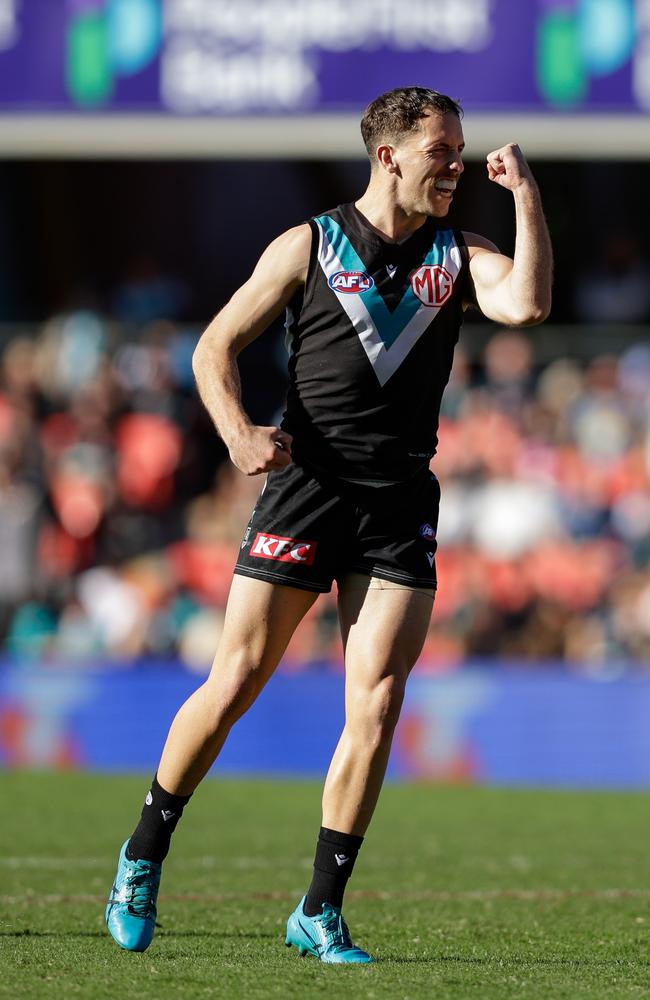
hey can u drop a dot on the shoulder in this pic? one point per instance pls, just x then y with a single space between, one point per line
476 243
289 252
293 241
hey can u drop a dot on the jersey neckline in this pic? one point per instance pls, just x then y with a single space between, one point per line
370 233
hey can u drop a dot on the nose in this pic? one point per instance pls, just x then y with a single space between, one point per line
456 162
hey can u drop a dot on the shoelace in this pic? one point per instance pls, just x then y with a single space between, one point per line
336 929
141 888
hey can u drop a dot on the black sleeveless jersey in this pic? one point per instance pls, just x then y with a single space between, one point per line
371 337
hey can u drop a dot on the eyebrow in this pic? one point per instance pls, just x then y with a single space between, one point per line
444 145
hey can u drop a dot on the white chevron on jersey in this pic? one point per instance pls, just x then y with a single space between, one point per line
384 360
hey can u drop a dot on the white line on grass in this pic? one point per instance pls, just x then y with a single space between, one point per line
51 863
443 896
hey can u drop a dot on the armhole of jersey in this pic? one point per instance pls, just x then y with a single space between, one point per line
310 281
303 293
466 290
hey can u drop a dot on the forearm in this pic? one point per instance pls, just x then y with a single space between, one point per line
217 379
252 449
531 275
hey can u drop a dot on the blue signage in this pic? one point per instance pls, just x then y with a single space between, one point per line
238 57
495 725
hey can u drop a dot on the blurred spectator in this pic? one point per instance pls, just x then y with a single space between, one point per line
146 293
509 369
120 523
617 289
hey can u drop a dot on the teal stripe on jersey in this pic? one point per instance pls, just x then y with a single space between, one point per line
389 324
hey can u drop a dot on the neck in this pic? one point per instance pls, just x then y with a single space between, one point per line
379 206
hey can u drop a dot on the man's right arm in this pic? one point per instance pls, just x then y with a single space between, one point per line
280 271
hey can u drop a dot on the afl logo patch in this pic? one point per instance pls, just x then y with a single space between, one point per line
350 282
432 284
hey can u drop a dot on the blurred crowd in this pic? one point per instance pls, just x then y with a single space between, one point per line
120 516
545 523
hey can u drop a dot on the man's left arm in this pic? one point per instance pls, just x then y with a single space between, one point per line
515 292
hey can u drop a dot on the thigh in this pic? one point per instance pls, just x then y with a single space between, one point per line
260 619
383 626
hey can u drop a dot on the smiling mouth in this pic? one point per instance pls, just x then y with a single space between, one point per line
445 186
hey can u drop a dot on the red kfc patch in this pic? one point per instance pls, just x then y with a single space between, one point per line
290 550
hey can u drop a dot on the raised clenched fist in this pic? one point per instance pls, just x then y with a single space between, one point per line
508 167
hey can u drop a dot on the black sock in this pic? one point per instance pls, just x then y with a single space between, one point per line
160 814
333 864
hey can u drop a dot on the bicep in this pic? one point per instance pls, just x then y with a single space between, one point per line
280 271
489 271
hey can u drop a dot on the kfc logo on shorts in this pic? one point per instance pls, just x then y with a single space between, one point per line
289 550
426 531
432 284
351 282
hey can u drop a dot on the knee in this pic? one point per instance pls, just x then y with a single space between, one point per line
389 695
377 709
232 690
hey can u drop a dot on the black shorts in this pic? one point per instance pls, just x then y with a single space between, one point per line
306 532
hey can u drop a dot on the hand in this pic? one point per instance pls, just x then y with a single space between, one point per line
507 166
261 449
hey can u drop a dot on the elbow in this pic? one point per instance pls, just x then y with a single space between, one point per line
198 357
532 315
203 362
206 354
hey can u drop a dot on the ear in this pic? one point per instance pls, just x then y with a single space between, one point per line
386 158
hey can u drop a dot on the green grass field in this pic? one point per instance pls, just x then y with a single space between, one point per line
458 893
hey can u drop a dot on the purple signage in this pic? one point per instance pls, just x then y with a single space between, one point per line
238 57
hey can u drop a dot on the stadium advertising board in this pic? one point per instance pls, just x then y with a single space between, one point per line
257 57
488 724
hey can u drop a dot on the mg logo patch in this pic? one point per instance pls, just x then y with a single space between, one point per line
290 550
351 282
432 284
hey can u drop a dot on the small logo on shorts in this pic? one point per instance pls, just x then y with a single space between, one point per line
426 531
351 282
247 535
283 549
430 557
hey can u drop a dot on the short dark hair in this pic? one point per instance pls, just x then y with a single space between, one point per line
397 112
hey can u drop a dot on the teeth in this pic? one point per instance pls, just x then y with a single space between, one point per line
445 185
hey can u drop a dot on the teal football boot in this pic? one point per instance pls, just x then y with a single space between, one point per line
326 936
131 908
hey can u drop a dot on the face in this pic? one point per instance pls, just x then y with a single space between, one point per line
429 164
